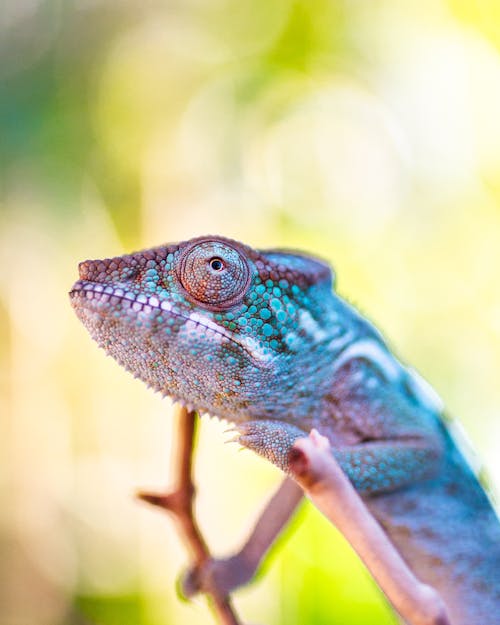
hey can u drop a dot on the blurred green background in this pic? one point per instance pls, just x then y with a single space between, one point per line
367 131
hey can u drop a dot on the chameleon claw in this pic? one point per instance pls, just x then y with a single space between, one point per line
234 439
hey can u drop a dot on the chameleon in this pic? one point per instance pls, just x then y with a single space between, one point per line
262 339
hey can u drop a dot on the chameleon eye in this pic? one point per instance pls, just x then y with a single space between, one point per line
216 264
214 273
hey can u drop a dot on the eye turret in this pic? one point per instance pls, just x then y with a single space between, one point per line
214 274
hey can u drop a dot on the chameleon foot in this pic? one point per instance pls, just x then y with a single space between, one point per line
225 574
270 439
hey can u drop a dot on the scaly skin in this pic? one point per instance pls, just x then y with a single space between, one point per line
260 339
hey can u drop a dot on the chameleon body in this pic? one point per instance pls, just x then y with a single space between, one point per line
261 339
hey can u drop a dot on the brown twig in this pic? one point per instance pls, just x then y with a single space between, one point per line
179 503
316 470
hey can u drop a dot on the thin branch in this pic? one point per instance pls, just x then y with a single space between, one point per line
179 503
316 470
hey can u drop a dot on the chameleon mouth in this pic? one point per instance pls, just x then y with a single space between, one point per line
95 292
85 294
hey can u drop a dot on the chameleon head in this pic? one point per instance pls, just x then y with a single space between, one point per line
210 322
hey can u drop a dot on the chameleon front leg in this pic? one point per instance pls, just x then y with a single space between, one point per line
237 570
373 467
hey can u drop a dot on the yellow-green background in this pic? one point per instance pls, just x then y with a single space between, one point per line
366 131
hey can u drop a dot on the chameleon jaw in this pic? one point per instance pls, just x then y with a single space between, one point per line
91 295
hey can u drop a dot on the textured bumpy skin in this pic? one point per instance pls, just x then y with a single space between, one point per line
261 339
